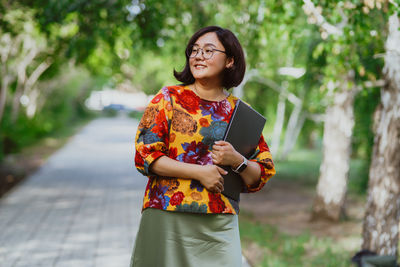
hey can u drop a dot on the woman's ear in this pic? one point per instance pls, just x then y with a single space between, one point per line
229 62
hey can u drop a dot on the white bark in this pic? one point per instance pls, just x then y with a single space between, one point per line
278 126
316 14
37 73
3 94
33 93
5 50
21 74
33 103
332 183
294 122
294 135
381 221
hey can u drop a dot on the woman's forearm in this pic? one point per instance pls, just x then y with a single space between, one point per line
252 174
165 166
208 175
223 153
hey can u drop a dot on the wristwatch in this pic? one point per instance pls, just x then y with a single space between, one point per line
241 167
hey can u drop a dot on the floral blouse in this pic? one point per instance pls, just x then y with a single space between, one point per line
179 124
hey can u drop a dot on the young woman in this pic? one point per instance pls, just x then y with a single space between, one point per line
186 221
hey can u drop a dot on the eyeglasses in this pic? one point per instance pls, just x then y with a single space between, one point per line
207 51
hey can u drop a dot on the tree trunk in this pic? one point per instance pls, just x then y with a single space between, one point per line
334 170
381 220
295 134
280 117
3 94
295 121
5 77
21 81
16 102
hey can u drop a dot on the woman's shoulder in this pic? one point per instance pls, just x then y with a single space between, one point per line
170 91
173 90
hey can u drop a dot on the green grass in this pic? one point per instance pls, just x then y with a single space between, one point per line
282 250
303 166
136 114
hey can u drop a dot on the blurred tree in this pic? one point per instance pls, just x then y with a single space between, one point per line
382 215
24 58
37 40
346 36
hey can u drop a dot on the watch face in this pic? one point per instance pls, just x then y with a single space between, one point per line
243 166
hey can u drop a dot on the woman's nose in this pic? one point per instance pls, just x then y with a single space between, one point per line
199 54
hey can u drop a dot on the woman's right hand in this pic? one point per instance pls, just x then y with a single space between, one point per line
210 177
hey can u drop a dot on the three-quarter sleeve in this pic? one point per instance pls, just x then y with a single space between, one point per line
263 157
152 136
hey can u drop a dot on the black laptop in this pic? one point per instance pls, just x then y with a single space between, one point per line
243 132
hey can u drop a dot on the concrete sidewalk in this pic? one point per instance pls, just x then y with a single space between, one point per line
82 208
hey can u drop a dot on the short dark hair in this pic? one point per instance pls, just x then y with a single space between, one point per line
231 77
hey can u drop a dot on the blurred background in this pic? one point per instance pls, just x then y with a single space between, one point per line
315 69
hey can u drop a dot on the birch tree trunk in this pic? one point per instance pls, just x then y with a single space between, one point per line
21 74
295 121
294 135
278 126
381 220
3 94
334 170
5 48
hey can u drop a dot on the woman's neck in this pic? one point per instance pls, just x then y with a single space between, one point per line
209 91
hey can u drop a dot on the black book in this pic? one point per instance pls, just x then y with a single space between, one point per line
243 133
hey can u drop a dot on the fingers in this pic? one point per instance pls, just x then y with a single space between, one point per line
215 158
220 187
221 171
221 142
218 148
217 188
219 145
219 182
221 150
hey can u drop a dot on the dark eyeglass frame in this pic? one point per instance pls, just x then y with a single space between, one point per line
190 50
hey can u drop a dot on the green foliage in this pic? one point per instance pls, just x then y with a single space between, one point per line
141 42
136 114
66 107
364 106
95 21
110 112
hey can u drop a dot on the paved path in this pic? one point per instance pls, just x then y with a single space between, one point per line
82 208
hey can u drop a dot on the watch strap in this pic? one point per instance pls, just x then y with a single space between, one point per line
241 167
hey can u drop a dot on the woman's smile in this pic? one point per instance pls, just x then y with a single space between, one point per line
200 66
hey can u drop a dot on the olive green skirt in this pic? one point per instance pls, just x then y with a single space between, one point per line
178 239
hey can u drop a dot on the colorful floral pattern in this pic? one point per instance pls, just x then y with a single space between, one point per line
179 124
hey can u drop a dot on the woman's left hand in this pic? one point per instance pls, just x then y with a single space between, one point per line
223 153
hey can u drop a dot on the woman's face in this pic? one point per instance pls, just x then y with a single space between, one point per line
211 68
